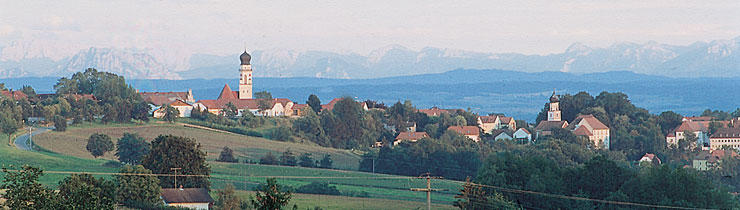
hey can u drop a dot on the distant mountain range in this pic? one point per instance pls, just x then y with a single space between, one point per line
719 58
517 94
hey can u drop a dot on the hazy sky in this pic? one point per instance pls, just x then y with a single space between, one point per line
223 27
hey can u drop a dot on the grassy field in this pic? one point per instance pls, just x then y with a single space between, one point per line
330 202
246 177
67 153
10 156
73 141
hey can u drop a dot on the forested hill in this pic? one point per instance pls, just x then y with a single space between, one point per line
518 94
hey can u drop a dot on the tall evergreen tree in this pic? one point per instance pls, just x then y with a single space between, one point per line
314 102
270 196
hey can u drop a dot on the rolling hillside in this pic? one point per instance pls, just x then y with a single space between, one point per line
65 151
73 141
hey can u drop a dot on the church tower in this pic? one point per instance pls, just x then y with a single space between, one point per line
245 76
554 113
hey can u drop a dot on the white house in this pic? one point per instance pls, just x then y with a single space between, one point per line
495 122
192 198
699 128
503 135
184 108
523 134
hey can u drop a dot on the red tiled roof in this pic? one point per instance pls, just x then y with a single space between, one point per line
411 135
186 195
550 125
436 111
465 130
240 103
715 155
506 120
692 126
179 103
160 98
15 94
226 93
652 157
591 120
582 131
299 106
487 119
329 106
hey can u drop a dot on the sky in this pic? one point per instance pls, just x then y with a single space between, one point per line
226 27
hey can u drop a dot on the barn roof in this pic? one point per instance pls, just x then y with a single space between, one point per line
186 195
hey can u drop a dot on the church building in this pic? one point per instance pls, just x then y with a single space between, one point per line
243 98
584 126
554 118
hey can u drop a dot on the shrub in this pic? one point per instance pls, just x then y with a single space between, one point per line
318 188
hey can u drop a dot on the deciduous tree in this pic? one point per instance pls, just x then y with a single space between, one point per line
226 198
169 152
98 144
131 148
83 191
23 191
138 189
227 155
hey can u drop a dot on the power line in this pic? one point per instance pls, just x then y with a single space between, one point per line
581 198
384 177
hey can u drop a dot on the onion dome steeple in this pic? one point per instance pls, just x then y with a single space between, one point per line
554 98
245 58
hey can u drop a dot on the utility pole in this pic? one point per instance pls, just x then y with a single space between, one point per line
30 136
428 189
373 164
175 169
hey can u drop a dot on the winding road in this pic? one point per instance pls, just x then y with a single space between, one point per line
22 141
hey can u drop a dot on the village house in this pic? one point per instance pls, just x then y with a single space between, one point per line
523 135
699 128
436 111
725 138
707 160
191 198
590 127
502 134
472 132
650 159
495 122
554 119
162 98
183 108
409 136
298 109
182 101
